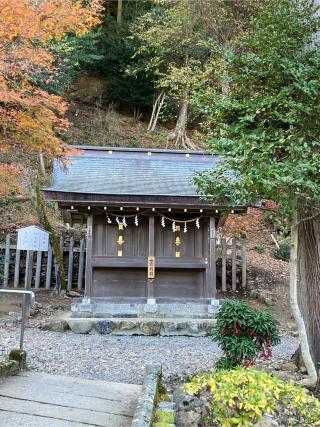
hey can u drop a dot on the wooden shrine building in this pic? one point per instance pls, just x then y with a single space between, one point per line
149 235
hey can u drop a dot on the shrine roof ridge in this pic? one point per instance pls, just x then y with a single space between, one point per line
139 150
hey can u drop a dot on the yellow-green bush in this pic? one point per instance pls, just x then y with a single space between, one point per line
241 396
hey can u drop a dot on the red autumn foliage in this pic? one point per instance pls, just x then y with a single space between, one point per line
31 119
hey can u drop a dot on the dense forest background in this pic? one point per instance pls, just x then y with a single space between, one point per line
146 61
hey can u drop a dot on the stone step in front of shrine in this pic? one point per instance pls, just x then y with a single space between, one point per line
152 308
132 326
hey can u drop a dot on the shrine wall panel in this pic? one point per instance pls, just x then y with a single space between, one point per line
105 238
179 283
193 243
119 282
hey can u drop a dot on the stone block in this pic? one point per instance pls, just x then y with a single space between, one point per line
126 327
55 326
20 356
104 327
81 326
174 328
150 308
150 327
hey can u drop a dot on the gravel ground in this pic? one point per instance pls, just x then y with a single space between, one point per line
119 359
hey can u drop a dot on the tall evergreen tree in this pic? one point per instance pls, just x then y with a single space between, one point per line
267 129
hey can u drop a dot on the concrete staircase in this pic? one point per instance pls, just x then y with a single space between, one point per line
40 400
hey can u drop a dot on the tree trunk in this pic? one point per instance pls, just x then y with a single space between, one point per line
179 134
119 12
42 165
309 282
157 105
305 350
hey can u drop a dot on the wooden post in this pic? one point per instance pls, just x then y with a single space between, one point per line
49 268
61 245
28 273
211 269
88 277
38 270
17 269
81 263
234 264
224 265
244 262
151 252
6 262
70 264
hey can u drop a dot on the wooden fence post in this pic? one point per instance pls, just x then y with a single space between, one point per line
38 270
244 262
234 264
81 264
29 267
17 269
70 263
49 267
6 262
223 265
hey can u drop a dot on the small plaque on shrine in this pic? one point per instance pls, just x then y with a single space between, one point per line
151 267
32 238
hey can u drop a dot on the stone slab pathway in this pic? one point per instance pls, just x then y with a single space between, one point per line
41 400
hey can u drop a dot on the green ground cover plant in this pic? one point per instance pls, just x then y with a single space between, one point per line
240 397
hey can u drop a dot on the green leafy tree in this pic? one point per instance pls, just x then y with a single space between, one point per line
173 40
114 52
169 47
267 128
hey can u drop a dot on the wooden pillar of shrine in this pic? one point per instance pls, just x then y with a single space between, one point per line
151 259
88 275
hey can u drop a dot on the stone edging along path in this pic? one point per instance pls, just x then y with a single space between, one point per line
137 326
15 362
146 403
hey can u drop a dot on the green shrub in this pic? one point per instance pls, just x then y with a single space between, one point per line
283 252
244 334
241 396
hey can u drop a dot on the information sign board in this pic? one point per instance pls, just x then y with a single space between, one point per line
33 238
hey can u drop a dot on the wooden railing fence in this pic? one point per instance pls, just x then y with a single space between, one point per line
231 259
17 266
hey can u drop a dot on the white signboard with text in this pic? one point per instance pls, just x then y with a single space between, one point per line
33 238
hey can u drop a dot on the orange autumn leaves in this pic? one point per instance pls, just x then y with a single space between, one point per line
30 118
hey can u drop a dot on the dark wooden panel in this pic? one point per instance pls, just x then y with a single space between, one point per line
178 284
130 262
192 242
105 237
164 262
181 263
119 282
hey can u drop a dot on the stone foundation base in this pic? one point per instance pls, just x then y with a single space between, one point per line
151 308
139 326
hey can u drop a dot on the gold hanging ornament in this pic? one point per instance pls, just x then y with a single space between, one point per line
120 240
